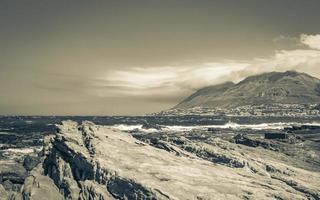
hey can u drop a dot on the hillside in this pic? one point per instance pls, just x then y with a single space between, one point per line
288 87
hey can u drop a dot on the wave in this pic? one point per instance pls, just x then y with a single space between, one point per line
229 125
26 150
124 127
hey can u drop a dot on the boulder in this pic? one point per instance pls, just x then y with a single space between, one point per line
147 125
278 135
3 193
30 162
12 171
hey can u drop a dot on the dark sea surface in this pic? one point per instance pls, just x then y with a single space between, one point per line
23 135
31 124
24 131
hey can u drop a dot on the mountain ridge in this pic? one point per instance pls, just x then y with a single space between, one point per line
289 87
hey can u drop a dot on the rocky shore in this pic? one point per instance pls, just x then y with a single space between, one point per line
88 161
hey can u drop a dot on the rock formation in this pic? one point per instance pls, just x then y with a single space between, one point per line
89 161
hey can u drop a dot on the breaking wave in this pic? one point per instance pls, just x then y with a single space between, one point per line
229 125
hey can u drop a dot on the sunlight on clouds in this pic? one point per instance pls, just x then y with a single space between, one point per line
208 74
140 78
181 80
304 60
167 80
313 41
298 57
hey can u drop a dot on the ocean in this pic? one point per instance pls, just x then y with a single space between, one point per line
20 135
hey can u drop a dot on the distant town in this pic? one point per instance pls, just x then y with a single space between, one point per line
289 110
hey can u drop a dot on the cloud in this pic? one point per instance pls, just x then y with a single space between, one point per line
166 81
282 38
177 81
312 41
299 59
138 89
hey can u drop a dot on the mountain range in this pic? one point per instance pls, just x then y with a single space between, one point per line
290 87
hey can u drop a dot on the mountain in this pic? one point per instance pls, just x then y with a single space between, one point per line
288 87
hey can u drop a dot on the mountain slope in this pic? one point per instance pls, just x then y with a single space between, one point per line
288 87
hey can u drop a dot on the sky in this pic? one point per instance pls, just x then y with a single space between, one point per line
104 57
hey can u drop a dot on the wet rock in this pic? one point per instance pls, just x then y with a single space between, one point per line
12 171
94 191
126 189
61 173
278 135
303 127
272 169
255 142
7 185
311 193
209 153
147 125
40 187
30 162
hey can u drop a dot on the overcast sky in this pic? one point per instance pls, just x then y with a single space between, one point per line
103 57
